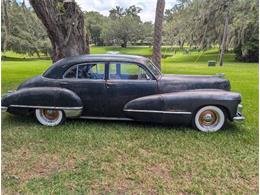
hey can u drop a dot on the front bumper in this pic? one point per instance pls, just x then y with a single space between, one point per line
239 116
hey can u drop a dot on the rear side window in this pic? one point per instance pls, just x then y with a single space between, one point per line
86 71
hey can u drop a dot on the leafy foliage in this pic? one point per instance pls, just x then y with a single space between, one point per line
119 28
24 33
200 24
94 22
245 31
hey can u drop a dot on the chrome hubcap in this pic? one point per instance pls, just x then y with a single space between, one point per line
50 115
208 117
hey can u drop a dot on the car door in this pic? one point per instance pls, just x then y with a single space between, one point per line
126 82
87 80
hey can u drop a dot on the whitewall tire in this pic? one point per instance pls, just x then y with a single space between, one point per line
49 117
209 119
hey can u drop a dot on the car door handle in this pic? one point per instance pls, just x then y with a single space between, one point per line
64 83
109 84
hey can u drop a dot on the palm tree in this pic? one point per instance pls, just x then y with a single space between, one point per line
157 39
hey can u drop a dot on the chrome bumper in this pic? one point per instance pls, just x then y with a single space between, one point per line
239 116
4 108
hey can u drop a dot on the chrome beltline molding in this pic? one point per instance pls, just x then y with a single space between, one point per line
47 107
157 111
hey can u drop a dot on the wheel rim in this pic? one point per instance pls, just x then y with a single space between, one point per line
49 117
209 119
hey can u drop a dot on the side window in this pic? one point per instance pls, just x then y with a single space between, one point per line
71 73
127 71
86 71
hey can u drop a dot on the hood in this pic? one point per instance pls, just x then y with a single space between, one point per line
172 82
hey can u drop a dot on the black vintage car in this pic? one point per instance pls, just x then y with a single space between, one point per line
124 87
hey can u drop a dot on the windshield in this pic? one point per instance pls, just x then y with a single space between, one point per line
153 68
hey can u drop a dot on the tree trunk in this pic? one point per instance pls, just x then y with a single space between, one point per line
223 44
202 43
6 24
124 44
87 44
37 53
157 39
64 22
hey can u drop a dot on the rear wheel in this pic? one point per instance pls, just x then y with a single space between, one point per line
49 117
209 119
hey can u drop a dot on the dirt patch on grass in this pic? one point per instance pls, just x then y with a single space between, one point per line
24 165
160 170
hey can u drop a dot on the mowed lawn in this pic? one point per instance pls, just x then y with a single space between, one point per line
103 157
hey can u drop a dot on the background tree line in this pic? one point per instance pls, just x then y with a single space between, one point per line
201 24
119 28
198 24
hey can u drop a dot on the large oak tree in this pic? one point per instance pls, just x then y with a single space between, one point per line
64 22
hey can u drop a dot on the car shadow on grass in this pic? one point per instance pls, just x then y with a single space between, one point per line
17 120
129 125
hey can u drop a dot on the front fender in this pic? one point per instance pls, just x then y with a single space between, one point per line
43 97
184 103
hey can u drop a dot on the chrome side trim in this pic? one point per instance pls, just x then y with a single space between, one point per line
106 118
70 112
4 109
157 111
47 107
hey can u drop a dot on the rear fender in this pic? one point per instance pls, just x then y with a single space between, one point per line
44 97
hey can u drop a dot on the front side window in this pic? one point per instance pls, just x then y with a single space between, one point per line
86 71
127 71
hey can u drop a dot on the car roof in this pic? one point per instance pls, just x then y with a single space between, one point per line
62 65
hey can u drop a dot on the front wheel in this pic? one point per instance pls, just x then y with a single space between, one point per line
209 119
49 117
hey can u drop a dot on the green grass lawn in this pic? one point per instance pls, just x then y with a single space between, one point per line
84 156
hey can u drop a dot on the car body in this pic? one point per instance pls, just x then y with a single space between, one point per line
124 87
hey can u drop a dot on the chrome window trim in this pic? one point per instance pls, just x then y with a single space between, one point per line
145 68
157 77
157 111
80 64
